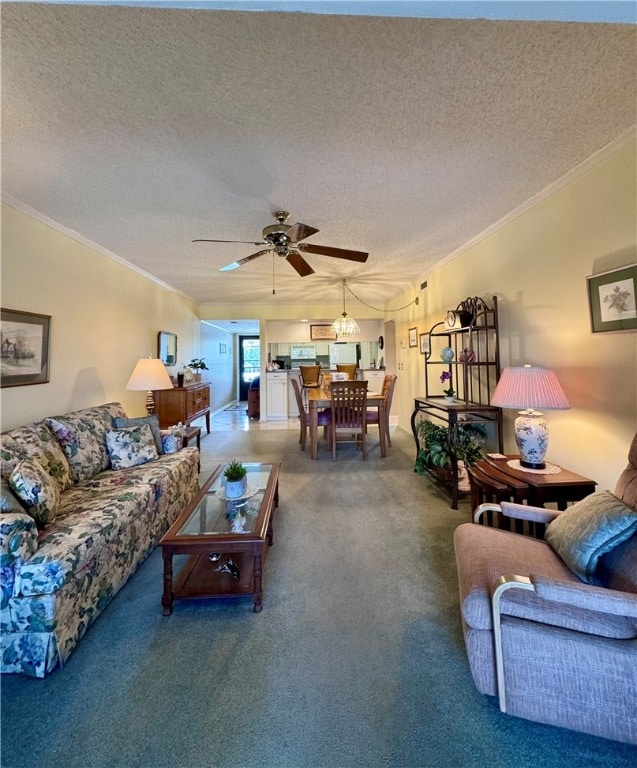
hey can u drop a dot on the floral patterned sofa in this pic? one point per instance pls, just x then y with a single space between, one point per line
88 526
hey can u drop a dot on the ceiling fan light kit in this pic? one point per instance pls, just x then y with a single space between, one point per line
285 240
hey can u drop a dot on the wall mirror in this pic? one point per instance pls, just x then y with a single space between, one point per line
167 347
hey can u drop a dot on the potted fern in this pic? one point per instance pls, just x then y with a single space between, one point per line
236 479
440 447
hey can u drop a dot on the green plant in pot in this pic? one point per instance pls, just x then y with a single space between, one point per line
440 446
236 479
198 364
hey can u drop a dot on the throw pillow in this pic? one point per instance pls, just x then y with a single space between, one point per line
589 529
8 501
170 441
130 446
37 490
152 421
83 448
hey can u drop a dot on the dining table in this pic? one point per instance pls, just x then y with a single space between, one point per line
321 397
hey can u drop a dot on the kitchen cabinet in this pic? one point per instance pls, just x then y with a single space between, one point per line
183 404
375 379
277 394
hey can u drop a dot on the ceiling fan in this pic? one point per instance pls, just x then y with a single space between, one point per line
285 240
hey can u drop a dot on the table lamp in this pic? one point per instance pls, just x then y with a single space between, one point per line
149 374
530 387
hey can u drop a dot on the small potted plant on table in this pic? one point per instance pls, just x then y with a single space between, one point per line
198 364
236 479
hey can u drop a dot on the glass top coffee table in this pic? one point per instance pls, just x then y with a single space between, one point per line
226 539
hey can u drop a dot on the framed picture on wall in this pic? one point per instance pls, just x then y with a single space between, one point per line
222 349
425 344
322 332
25 348
413 337
612 298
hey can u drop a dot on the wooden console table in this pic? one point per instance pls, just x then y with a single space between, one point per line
183 404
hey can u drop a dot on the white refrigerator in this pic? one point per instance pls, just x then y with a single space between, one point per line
342 353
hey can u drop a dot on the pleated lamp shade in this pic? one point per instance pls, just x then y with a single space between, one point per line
530 387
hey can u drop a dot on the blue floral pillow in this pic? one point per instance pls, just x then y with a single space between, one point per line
130 446
589 529
37 490
171 442
152 421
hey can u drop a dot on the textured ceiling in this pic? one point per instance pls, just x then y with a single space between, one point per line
143 128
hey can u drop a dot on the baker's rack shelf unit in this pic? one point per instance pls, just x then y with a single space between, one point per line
471 332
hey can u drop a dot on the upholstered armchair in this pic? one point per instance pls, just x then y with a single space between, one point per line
550 626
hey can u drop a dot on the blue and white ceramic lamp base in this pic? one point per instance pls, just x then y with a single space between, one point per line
532 438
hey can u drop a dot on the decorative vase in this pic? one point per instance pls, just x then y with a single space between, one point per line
532 438
197 377
235 489
446 354
450 399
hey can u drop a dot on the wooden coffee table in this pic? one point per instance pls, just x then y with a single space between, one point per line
227 541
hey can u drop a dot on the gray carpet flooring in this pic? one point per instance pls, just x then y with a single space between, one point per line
357 658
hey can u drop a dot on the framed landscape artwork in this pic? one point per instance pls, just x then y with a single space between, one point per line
319 332
25 340
612 299
413 337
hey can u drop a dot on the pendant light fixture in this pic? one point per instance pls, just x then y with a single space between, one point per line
344 326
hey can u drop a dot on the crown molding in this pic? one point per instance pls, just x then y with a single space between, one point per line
592 162
13 202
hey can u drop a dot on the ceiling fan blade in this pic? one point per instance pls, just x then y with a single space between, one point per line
245 242
245 260
298 262
337 253
300 231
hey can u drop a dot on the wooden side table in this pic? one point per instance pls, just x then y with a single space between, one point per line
494 480
188 435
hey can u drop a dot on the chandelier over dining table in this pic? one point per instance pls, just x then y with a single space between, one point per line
344 325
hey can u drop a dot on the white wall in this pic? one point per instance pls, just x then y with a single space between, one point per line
104 318
221 364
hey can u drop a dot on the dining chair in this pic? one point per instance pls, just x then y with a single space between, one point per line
373 416
310 375
348 368
324 416
348 421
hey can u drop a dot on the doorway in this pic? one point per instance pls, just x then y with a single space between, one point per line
249 363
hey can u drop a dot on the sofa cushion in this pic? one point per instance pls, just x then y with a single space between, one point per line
8 500
130 446
37 490
35 440
82 435
152 421
589 529
88 521
484 554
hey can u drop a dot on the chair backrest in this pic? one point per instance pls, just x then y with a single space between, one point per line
389 382
626 488
348 368
299 398
310 375
349 405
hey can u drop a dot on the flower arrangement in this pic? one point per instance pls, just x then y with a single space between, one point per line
445 377
198 364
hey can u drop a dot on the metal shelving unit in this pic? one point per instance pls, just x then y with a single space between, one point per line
474 369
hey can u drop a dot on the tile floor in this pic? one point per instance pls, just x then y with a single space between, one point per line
229 421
